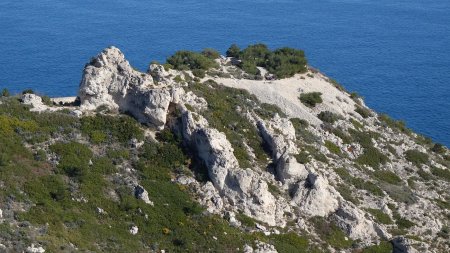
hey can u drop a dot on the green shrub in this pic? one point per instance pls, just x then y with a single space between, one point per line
250 68
364 112
372 157
416 157
299 123
233 51
267 111
188 60
310 99
5 93
303 157
347 193
333 148
178 79
329 117
283 62
200 73
380 216
286 62
211 53
347 139
387 176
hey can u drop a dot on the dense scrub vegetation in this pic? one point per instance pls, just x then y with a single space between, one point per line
283 62
197 62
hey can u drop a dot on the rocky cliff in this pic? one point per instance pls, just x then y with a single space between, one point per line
262 157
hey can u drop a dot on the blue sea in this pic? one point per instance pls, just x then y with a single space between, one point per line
394 53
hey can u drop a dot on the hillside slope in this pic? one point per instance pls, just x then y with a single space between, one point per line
214 158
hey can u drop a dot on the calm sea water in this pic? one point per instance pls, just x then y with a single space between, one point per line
395 53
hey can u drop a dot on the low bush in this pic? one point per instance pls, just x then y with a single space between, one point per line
364 112
333 148
267 111
211 53
200 73
387 176
329 117
303 157
416 157
310 99
372 157
347 139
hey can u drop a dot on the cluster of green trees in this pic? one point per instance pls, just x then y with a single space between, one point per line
283 62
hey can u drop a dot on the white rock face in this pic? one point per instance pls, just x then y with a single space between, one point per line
279 134
239 188
109 80
315 197
353 221
216 151
35 101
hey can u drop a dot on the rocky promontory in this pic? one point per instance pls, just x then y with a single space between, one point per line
217 153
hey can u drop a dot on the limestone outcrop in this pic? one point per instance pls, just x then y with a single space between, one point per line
110 81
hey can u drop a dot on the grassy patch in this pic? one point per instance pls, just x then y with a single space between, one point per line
328 117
